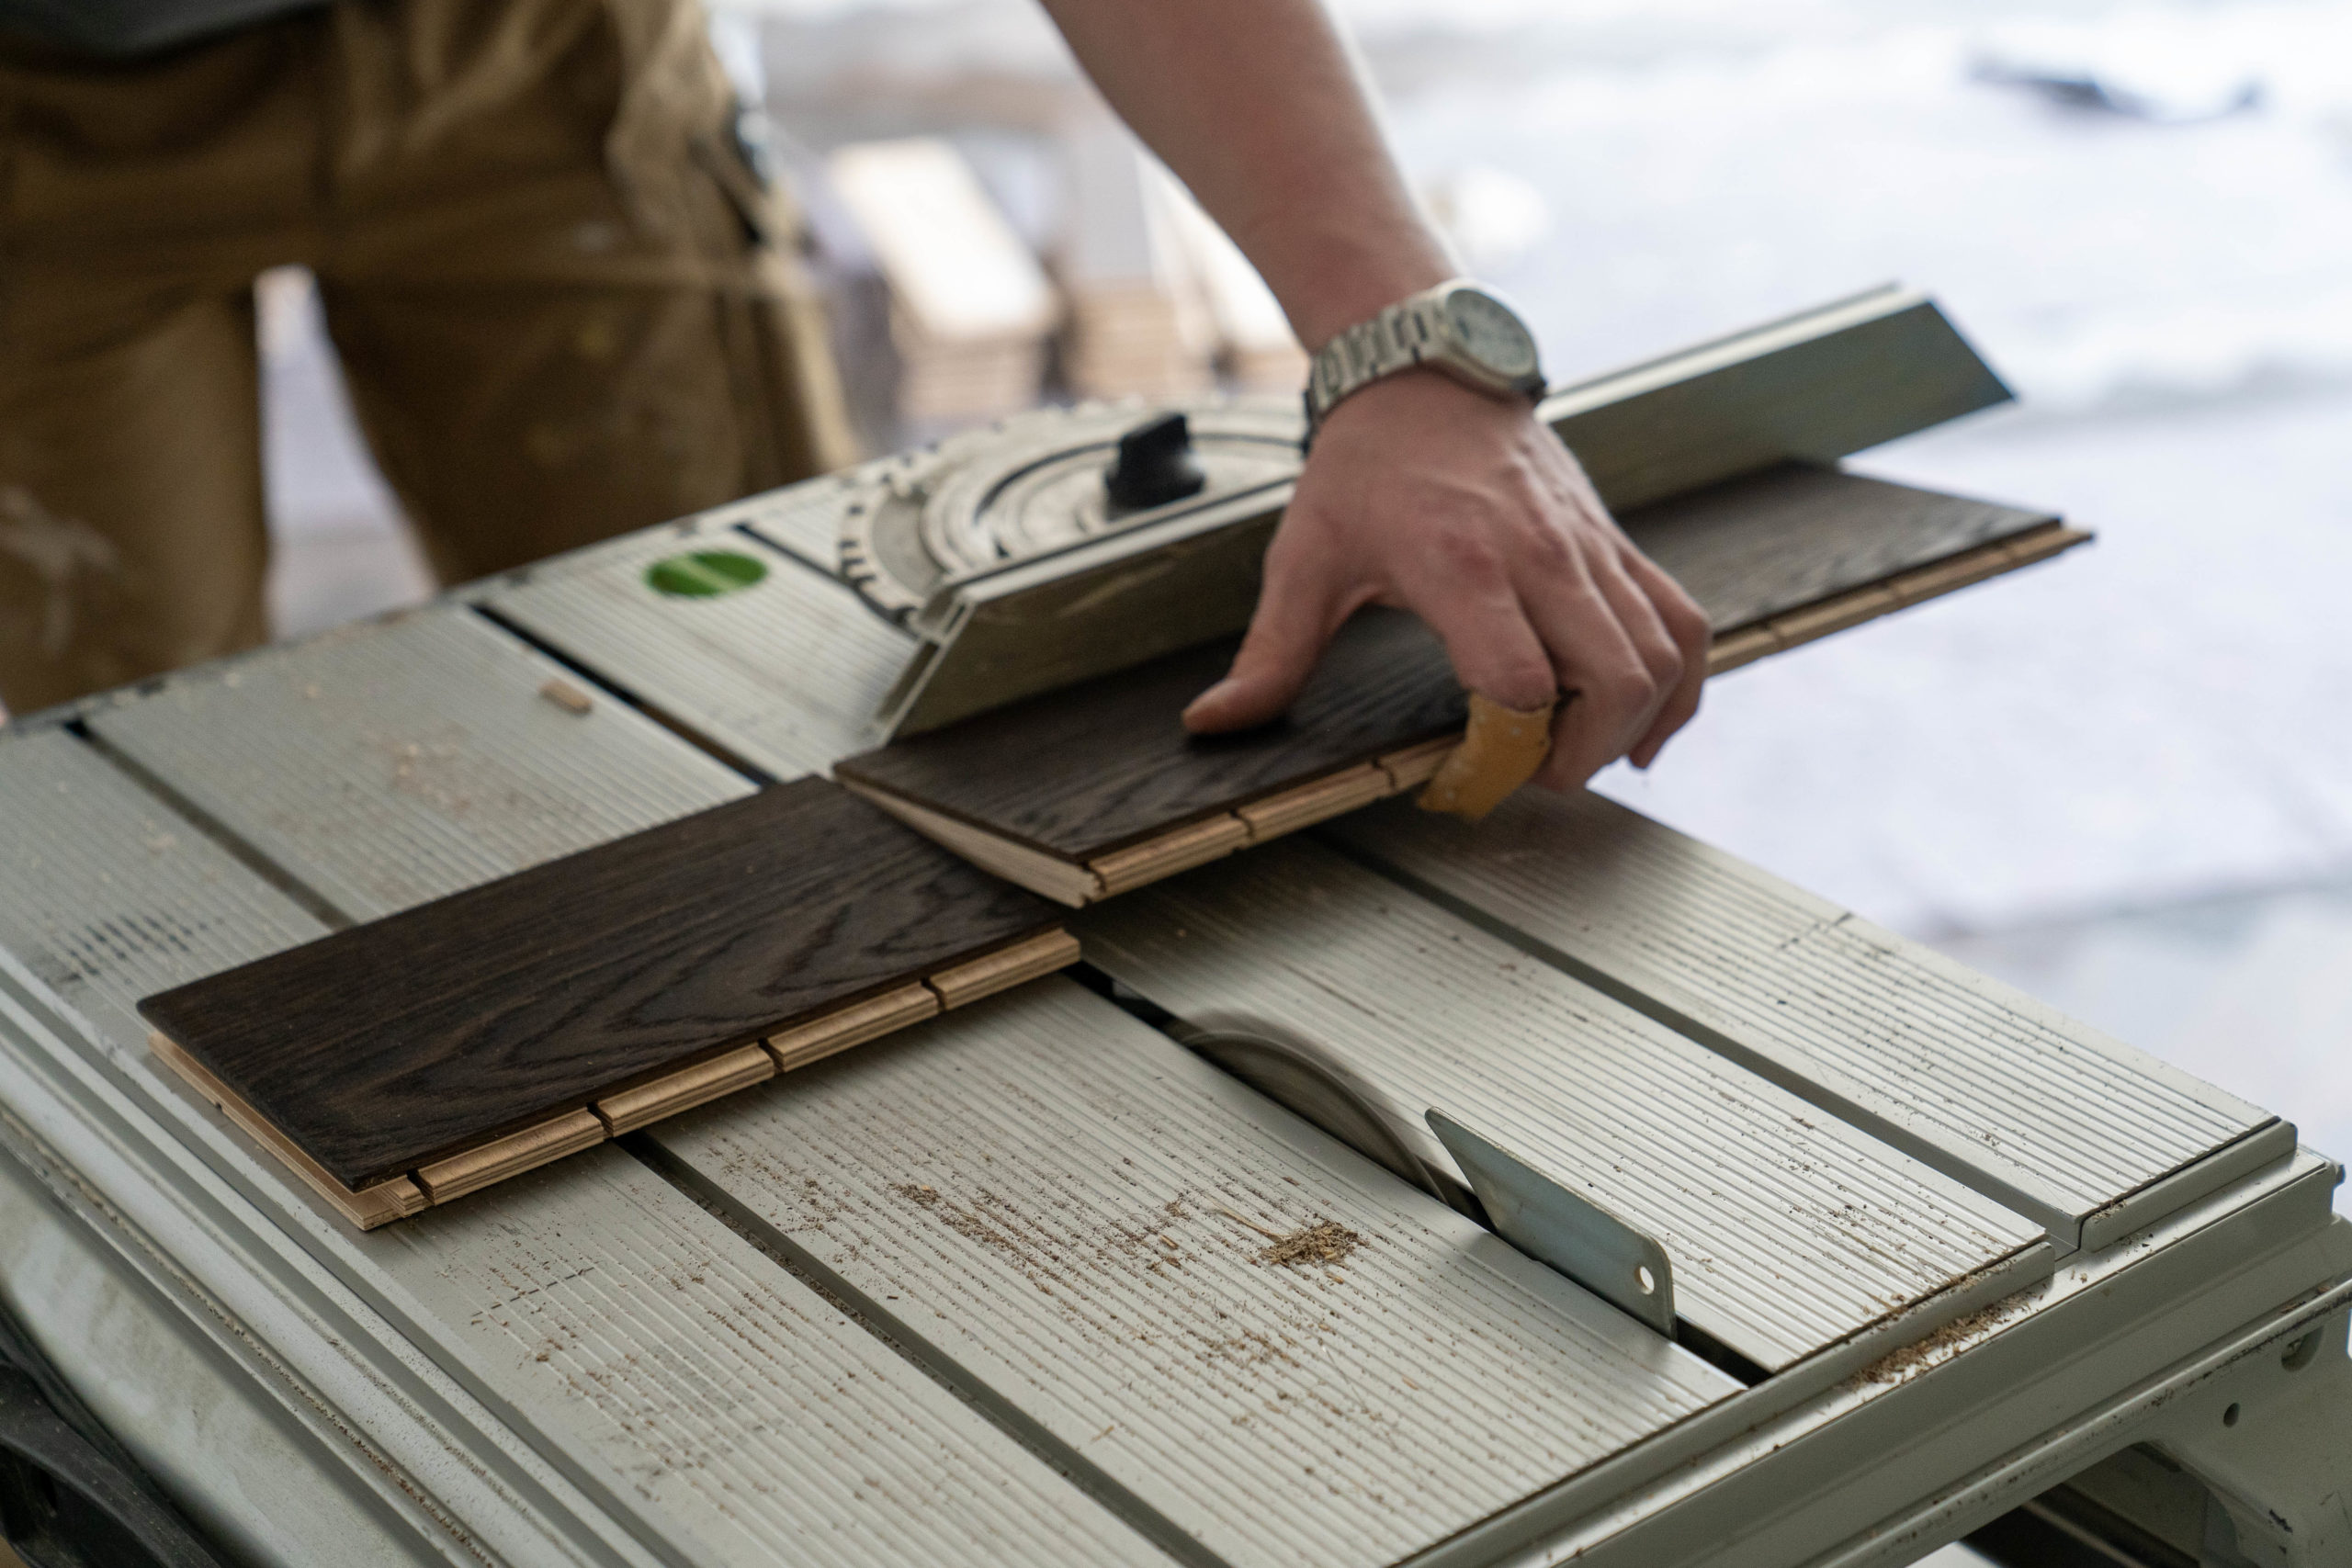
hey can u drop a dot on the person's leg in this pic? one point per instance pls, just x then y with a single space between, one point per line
556 321
136 203
132 535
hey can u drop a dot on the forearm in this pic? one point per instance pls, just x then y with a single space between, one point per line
1260 108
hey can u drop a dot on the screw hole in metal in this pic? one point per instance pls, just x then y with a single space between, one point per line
2302 1353
2230 1417
1644 1278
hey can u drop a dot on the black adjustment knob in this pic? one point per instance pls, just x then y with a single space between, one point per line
1156 465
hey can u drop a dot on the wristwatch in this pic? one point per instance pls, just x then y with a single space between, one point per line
1456 327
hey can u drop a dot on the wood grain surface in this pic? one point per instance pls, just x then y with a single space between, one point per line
1106 763
1767 543
393 1044
1098 767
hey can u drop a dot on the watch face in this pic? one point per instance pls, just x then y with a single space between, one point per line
1491 335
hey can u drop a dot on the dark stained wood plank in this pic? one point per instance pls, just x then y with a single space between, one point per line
1795 534
1104 765
388 1046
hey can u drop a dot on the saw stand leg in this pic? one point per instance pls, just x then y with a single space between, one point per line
2252 1469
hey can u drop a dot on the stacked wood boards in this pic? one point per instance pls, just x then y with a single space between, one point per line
1257 351
589 995
970 308
2084 1135
1137 324
1086 791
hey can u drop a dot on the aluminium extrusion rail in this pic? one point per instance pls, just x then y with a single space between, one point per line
931 1302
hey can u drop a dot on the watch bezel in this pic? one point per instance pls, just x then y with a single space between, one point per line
1419 329
1466 363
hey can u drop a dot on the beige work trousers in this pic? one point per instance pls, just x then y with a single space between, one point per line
564 306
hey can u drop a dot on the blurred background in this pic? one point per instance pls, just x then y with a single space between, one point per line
2122 781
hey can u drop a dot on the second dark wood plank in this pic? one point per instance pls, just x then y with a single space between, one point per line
1090 770
1106 763
1758 546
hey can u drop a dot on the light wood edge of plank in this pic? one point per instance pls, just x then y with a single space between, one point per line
1816 621
1416 765
535 1145
1065 882
1272 816
1026 960
853 1025
366 1208
1179 849
1315 801
1852 608
630 1109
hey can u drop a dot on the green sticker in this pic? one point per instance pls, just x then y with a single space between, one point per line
703 574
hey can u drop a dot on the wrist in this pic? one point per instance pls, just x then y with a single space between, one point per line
1418 393
1457 327
1351 284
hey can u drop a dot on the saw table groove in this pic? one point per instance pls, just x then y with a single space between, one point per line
1977 1080
1787 1231
383 765
1014 1176
530 998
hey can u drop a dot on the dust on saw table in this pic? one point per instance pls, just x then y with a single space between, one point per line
1097 788
420 1056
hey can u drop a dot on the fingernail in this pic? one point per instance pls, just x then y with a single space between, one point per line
1207 697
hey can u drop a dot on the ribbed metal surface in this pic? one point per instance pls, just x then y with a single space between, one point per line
1986 1078
805 519
107 897
1037 1187
390 764
729 1395
1788 1230
641 1343
787 673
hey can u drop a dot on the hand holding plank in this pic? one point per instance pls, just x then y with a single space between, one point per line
1424 495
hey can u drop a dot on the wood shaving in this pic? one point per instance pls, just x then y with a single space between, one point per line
1327 1241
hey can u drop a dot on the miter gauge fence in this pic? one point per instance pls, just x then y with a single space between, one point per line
1077 542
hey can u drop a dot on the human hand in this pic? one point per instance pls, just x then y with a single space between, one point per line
1421 493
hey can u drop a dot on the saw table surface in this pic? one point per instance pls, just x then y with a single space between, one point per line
1031 1283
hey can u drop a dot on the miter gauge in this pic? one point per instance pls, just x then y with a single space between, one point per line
1076 542
1067 543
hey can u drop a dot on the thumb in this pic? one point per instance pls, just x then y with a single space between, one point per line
1299 608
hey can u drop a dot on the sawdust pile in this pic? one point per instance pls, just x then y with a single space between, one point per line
1325 1242
1902 1361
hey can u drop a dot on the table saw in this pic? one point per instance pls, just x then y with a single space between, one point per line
1040 1282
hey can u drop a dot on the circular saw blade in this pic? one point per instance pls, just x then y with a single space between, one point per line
1297 1073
